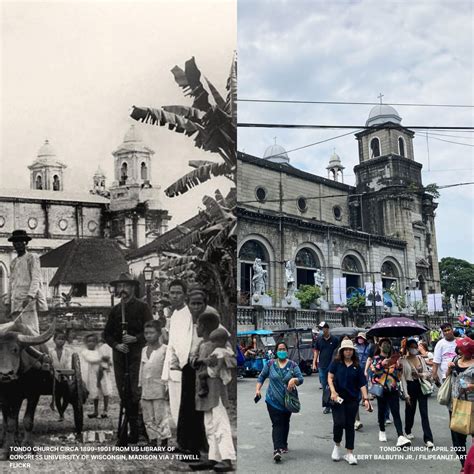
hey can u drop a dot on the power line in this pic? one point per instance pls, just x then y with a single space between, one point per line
350 103
335 127
450 141
451 136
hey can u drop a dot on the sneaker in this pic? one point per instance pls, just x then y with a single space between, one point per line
429 444
382 437
409 436
358 425
326 411
336 453
402 441
284 451
388 421
277 455
224 466
350 458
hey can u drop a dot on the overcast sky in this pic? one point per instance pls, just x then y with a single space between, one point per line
411 51
70 71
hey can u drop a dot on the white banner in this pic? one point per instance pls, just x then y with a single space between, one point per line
435 302
370 295
339 291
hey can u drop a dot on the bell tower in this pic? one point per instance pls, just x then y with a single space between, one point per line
135 205
47 172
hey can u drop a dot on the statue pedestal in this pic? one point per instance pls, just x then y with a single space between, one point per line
324 305
291 302
261 300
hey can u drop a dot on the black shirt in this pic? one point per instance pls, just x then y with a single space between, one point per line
326 348
136 314
347 380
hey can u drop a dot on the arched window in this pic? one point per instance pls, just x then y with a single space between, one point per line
374 147
352 271
251 250
144 171
389 275
56 183
39 182
401 146
306 265
124 172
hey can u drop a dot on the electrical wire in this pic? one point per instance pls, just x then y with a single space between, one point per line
351 103
450 141
335 127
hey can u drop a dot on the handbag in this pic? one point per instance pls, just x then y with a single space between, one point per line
377 389
462 417
291 400
444 392
426 387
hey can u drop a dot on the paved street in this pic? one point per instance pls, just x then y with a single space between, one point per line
310 440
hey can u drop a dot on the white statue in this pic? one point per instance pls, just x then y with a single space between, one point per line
459 303
259 278
290 278
319 278
393 287
452 305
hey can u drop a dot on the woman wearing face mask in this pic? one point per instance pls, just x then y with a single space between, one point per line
386 372
284 374
414 369
462 369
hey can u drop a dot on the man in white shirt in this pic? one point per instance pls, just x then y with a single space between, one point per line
25 286
179 344
444 352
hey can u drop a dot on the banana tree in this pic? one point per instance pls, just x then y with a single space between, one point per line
207 252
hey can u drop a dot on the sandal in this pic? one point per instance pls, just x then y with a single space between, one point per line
92 415
104 415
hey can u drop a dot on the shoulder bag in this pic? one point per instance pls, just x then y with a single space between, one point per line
377 389
462 418
292 402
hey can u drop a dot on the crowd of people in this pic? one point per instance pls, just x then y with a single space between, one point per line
171 369
393 373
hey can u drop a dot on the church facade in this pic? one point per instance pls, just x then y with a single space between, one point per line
130 211
381 229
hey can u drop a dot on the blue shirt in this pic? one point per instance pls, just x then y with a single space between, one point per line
363 351
279 379
347 380
326 349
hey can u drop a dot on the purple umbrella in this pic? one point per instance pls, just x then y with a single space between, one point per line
396 327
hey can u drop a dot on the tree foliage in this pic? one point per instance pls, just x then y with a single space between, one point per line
457 277
308 294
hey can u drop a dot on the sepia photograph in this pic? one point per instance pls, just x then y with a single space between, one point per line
118 236
355 246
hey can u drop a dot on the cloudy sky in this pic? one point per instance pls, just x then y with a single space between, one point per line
411 51
70 71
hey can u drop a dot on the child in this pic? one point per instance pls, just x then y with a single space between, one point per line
154 400
222 355
216 421
96 375
61 357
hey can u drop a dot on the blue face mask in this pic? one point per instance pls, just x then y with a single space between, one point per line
282 355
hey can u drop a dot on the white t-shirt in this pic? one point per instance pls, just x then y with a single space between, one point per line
444 352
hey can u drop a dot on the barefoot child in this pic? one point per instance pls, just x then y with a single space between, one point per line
96 375
154 400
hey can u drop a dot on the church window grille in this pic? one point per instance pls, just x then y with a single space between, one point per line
352 272
56 183
306 265
389 275
261 194
302 204
144 171
401 147
350 264
374 147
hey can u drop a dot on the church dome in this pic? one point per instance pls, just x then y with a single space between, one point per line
335 161
46 150
99 172
276 154
132 135
382 113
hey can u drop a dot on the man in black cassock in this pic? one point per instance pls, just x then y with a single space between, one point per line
128 345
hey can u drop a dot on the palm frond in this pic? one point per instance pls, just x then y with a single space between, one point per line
220 102
197 176
231 99
191 113
222 237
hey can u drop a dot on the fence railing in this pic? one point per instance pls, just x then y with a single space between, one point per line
81 318
259 317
